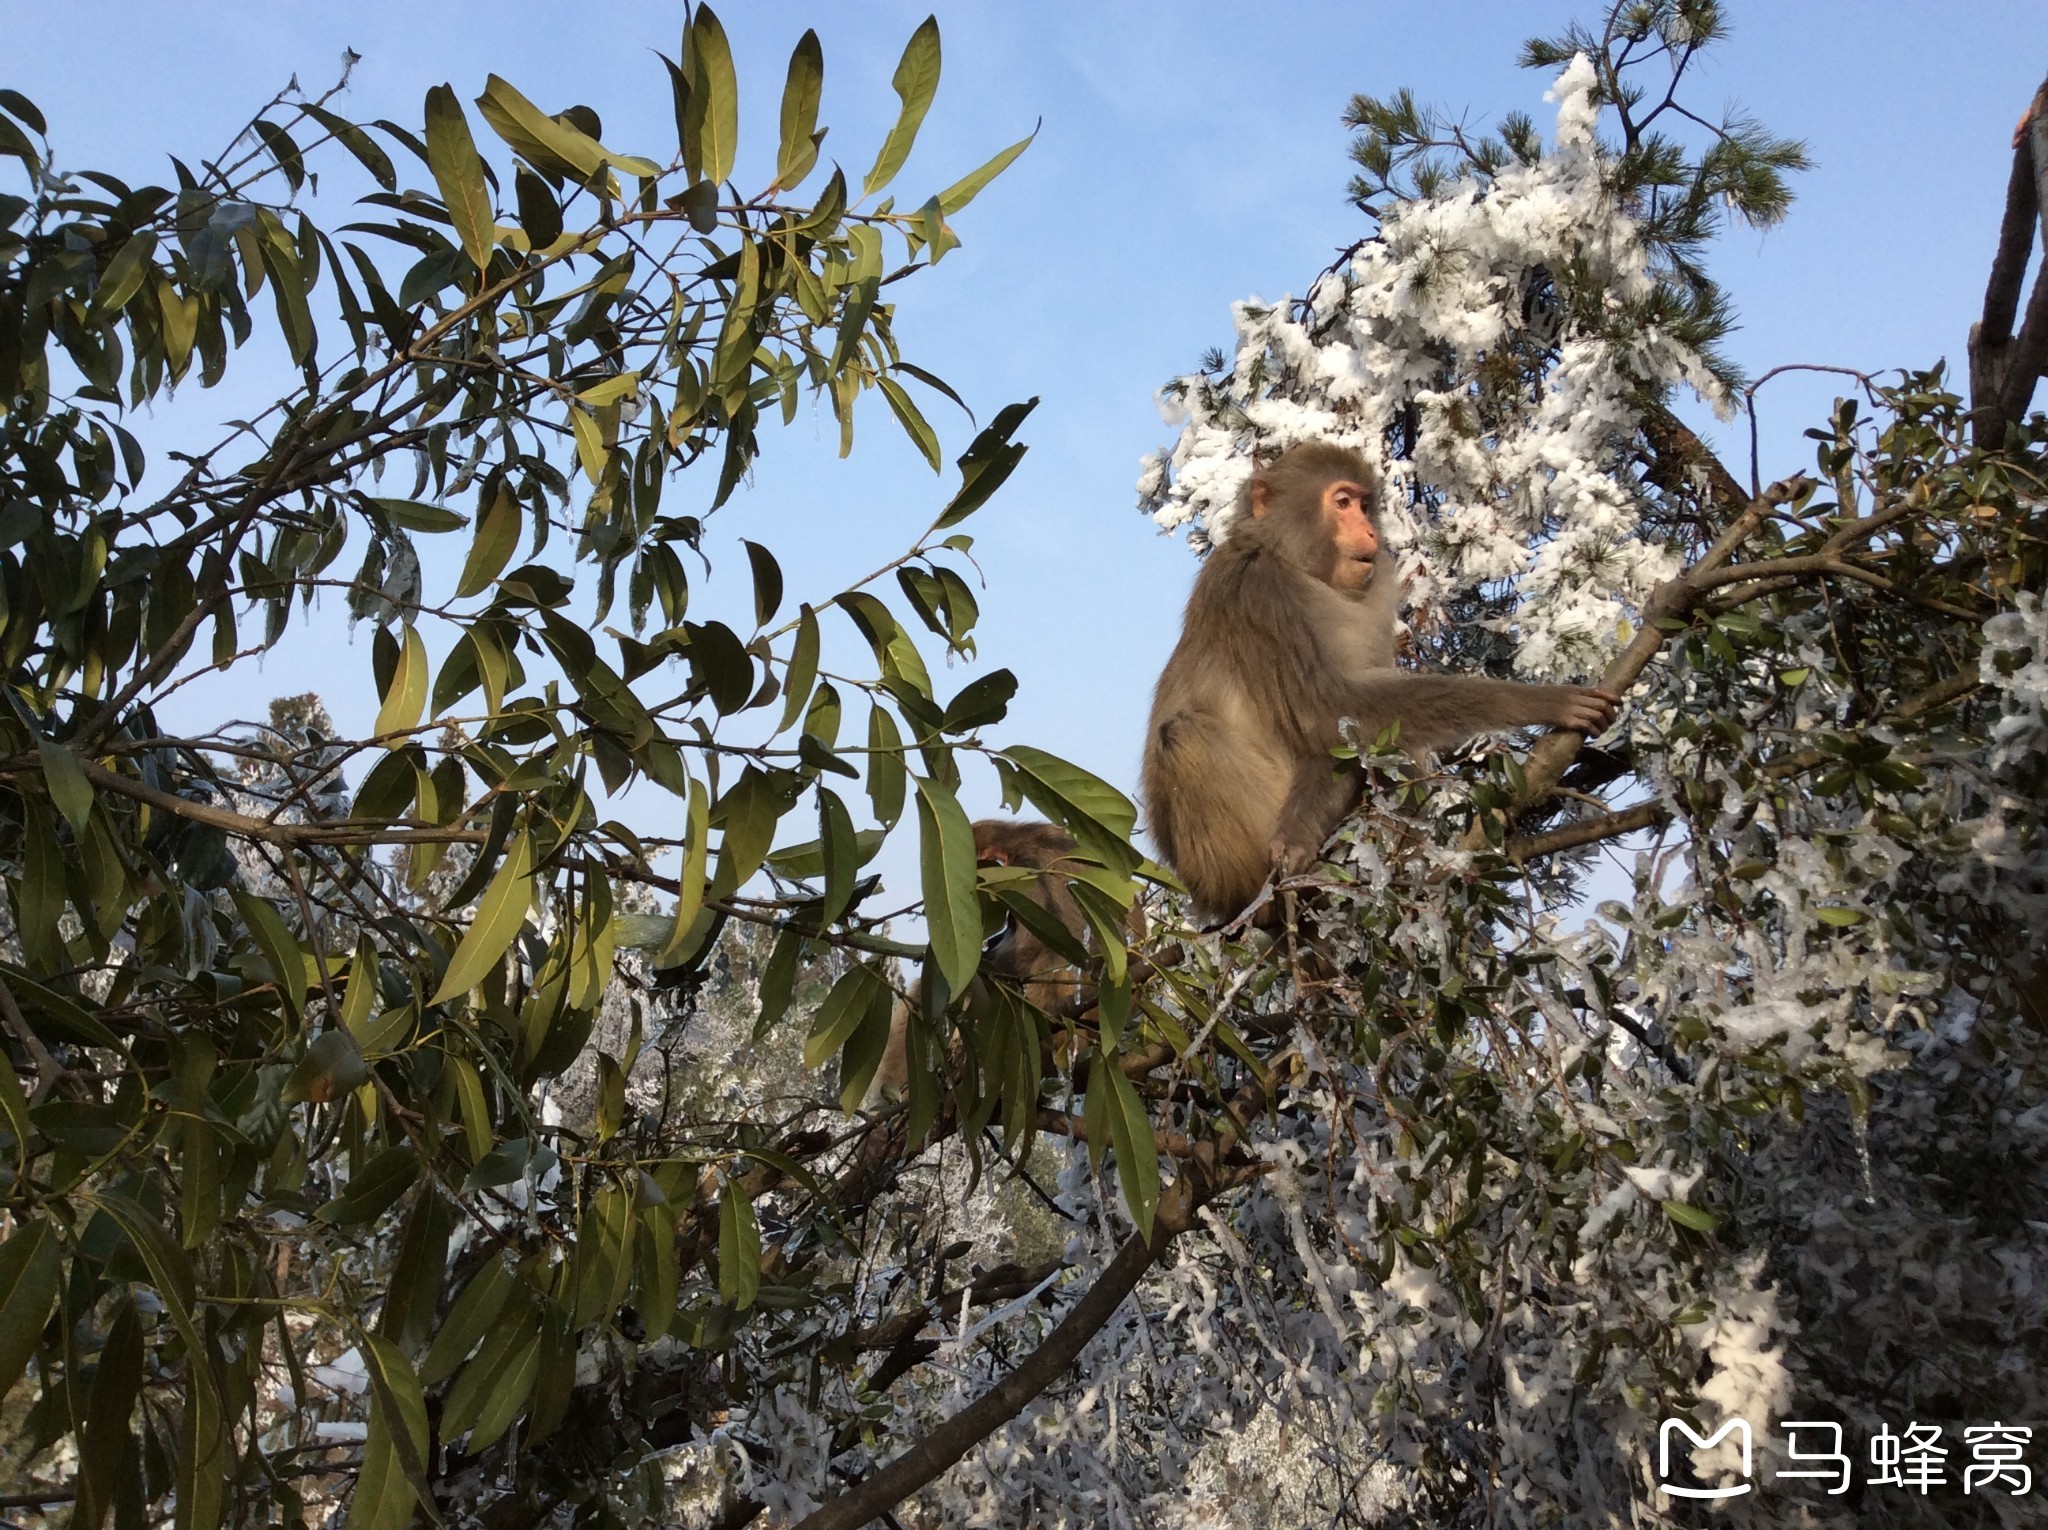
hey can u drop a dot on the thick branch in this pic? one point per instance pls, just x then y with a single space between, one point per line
1199 1181
2029 358
1061 1124
953 1439
1527 847
1679 449
1006 1283
1999 373
2015 241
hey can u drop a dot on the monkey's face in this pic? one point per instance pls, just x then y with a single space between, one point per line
1353 539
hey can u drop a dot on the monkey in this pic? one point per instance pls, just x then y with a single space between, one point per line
1015 953
1290 629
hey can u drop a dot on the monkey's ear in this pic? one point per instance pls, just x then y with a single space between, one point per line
1261 496
994 855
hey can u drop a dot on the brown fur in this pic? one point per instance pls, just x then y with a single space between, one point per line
1274 650
1017 956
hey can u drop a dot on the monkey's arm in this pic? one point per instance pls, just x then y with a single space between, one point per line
1322 795
1436 711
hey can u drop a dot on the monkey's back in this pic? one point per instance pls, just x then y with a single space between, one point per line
1215 775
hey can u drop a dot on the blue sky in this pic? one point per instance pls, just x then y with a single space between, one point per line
1190 155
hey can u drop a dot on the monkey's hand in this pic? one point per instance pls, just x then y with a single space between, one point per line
1583 708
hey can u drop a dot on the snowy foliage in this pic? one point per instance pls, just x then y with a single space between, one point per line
1497 482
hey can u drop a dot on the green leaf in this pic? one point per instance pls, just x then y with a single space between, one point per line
499 915
31 1263
981 701
68 787
507 1394
476 1111
516 1331
107 1453
803 668
989 459
459 172
204 1444
841 854
125 273
1841 918
590 447
357 142
964 190
696 856
602 1263
1690 1216
415 516
895 653
405 699
778 977
332 1069
281 950
393 1475
475 1310
720 663
842 1011
288 289
497 539
374 1188
1077 788
611 1097
40 896
922 436
859 303
620 385
526 128
739 1247
1130 1129
862 1055
414 1290
916 78
751 808
767 582
952 911
733 356
14 1106
887 775
539 213
808 859
714 100
800 93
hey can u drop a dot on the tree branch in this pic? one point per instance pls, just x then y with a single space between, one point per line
1935 697
953 1439
269 831
1554 752
1526 847
1198 1182
1994 369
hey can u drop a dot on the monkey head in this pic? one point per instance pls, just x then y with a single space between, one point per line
1315 506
